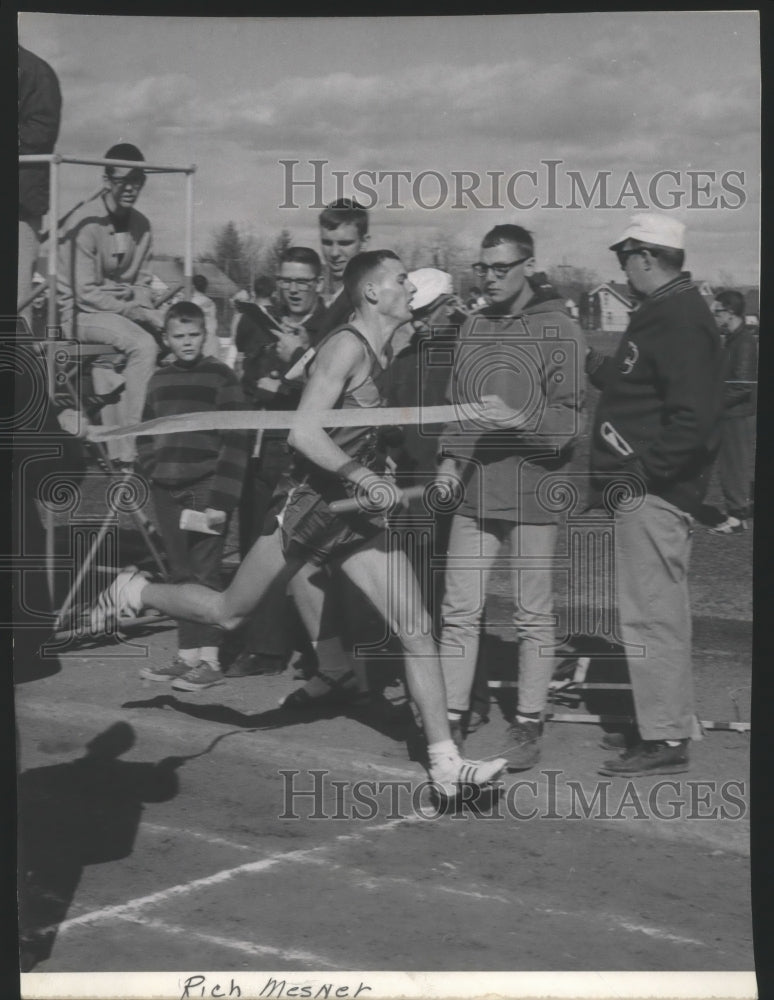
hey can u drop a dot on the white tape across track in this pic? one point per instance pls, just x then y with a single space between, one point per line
240 420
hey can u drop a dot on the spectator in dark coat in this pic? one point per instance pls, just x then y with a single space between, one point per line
40 105
737 426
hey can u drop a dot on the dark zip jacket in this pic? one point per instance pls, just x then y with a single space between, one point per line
662 398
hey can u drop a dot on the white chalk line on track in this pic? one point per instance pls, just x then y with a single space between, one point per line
246 947
370 882
196 835
132 906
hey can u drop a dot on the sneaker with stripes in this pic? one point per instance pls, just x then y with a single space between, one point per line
452 772
121 599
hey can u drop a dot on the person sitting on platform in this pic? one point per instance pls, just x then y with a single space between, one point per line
104 290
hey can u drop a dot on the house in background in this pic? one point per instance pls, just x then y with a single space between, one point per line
610 305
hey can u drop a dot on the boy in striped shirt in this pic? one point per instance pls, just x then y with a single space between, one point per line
198 470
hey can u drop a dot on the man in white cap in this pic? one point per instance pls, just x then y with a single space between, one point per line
654 438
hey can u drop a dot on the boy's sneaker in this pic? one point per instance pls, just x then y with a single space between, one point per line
523 747
203 675
121 599
731 526
169 672
451 773
649 757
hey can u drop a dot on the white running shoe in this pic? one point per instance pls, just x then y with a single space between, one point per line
452 772
121 599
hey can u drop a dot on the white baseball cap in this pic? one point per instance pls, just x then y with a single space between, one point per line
430 282
660 230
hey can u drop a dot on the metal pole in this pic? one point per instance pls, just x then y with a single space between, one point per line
53 245
189 224
51 332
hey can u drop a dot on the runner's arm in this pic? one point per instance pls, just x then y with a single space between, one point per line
337 361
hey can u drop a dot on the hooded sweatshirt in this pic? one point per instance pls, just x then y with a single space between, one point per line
533 361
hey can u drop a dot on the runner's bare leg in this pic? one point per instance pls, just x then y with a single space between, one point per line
388 580
263 565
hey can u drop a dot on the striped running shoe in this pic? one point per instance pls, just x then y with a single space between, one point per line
452 772
121 599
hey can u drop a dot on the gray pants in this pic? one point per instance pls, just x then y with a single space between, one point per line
28 255
473 548
141 352
652 551
735 463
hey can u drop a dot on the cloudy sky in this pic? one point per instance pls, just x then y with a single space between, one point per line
629 95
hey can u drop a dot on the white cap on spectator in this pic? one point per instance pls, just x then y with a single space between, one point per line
660 230
430 282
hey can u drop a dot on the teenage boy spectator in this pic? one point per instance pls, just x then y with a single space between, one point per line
196 471
40 106
104 288
737 426
343 234
522 347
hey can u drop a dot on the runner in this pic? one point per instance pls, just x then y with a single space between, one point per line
332 465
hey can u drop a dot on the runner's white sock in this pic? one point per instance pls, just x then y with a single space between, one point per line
190 656
439 751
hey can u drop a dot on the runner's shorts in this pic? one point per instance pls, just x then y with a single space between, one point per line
309 528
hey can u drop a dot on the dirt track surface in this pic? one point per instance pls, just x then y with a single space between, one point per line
186 863
161 845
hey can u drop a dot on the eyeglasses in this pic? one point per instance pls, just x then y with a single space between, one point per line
300 282
624 255
135 178
499 270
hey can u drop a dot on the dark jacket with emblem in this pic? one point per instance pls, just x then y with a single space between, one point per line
662 393
534 362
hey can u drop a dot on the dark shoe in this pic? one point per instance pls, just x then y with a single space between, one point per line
339 692
457 733
255 664
523 746
475 722
625 740
649 757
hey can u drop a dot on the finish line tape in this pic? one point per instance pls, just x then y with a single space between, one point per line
265 420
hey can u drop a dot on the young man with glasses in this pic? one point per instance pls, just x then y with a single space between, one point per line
293 325
104 289
654 439
737 428
521 357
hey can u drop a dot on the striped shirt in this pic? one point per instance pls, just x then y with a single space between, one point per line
178 460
